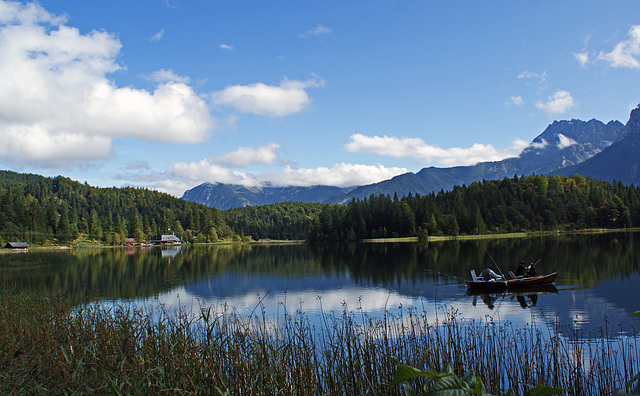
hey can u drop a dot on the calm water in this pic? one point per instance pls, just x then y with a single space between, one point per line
597 286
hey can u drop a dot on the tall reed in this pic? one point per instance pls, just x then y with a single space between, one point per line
47 346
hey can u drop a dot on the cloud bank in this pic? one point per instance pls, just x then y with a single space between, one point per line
182 176
417 148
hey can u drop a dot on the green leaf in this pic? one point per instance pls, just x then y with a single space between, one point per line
637 313
636 390
405 373
449 386
543 390
476 385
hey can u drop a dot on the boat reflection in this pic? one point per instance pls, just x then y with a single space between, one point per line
527 297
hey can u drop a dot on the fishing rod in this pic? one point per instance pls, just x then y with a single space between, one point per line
494 263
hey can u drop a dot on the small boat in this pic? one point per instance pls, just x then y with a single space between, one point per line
512 284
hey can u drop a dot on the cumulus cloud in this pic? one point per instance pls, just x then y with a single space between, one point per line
57 104
625 54
158 36
273 101
559 103
417 148
245 156
316 31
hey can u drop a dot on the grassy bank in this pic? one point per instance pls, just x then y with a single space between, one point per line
48 347
438 238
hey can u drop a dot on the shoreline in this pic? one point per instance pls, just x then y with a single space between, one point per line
270 242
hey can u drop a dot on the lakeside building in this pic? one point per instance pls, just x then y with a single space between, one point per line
167 240
17 245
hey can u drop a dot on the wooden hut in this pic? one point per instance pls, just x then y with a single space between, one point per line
17 245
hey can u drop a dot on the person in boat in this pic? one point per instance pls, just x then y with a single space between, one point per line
520 270
531 270
488 275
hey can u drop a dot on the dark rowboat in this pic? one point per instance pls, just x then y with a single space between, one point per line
512 284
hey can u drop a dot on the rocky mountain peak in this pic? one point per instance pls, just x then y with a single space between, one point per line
633 125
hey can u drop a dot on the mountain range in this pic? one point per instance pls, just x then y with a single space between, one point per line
591 148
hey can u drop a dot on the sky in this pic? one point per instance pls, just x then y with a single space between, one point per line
169 94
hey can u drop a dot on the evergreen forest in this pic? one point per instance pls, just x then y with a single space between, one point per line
41 210
524 204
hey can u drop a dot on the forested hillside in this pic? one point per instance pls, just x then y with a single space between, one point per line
285 220
513 204
36 209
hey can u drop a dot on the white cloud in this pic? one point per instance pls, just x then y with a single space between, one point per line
226 47
582 58
316 31
27 144
184 175
515 101
564 141
625 54
341 175
539 145
273 101
559 103
540 78
207 170
158 36
245 156
58 106
419 149
167 76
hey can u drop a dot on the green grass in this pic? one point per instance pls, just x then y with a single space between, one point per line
49 347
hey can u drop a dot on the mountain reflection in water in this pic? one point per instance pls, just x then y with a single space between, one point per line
599 276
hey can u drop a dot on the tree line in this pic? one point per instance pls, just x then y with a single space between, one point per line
283 221
38 209
515 204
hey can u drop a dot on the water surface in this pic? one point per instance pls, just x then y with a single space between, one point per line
597 285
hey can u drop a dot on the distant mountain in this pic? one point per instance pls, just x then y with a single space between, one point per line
562 144
227 196
620 161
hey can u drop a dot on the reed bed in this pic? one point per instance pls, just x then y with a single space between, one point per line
47 346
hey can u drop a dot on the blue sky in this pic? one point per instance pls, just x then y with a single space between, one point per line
167 94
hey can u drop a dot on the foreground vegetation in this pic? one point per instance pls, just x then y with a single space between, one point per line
46 346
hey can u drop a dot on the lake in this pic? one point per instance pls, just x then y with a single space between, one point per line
597 285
